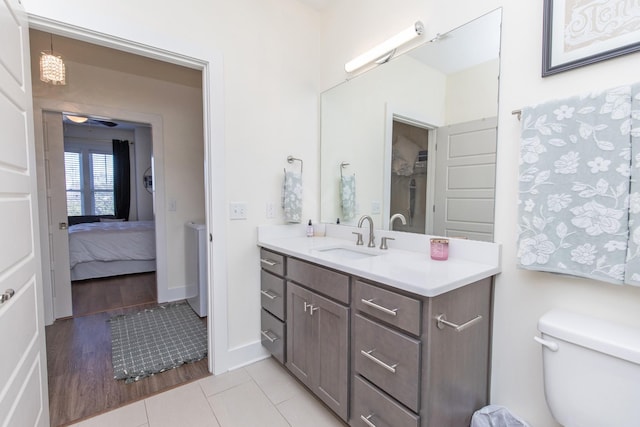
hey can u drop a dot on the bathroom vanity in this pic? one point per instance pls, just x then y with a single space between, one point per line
383 337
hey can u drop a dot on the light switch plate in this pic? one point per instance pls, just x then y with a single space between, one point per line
238 210
270 210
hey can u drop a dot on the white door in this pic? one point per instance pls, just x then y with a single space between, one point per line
465 180
57 214
23 367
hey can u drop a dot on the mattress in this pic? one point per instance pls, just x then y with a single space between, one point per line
112 241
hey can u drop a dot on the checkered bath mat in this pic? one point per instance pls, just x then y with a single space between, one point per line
155 340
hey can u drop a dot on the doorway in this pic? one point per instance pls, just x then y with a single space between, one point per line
162 167
112 259
409 172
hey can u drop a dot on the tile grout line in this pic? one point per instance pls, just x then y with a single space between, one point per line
274 405
213 412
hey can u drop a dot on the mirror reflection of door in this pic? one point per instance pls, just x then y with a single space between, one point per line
465 180
410 151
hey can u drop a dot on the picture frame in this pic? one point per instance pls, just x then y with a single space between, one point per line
581 32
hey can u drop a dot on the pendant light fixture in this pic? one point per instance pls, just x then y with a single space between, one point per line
52 69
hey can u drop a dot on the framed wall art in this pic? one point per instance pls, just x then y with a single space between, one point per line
581 32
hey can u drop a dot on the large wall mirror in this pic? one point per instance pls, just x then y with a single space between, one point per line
380 131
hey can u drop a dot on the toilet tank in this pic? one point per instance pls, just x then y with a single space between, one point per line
591 370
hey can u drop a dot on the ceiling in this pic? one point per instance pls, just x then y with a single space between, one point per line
318 4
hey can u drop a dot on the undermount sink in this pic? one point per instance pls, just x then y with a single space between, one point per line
342 252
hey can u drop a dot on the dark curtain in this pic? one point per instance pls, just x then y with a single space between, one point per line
121 178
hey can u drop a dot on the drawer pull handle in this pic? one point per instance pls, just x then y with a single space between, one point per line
268 295
268 262
366 420
386 310
442 322
267 336
368 355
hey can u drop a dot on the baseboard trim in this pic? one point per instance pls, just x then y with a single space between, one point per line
244 355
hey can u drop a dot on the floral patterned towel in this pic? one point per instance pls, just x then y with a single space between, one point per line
632 274
575 168
348 196
292 196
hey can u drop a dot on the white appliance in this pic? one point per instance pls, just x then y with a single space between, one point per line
196 267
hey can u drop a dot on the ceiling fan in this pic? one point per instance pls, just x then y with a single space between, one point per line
90 120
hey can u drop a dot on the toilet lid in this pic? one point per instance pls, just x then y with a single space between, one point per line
607 337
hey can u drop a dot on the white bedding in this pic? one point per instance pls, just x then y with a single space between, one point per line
112 241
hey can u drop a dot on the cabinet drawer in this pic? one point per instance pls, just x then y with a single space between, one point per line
390 307
378 408
389 360
272 333
328 282
272 262
272 294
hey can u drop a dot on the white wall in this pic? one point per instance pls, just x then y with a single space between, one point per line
521 297
466 99
144 153
270 52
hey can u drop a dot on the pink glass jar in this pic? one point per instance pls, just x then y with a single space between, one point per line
439 249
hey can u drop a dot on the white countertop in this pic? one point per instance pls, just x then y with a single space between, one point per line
405 265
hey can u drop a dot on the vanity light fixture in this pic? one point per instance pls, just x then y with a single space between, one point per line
384 51
52 69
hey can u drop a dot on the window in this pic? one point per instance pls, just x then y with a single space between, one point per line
89 178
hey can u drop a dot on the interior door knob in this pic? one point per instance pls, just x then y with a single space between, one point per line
62 226
6 295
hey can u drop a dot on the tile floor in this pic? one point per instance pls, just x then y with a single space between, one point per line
261 394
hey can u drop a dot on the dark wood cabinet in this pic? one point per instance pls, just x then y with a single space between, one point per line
272 297
409 369
318 346
375 354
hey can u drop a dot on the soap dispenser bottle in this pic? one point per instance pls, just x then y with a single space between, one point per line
310 229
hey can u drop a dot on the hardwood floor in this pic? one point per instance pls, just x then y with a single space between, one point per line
81 380
110 293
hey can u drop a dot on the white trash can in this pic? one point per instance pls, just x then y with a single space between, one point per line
496 416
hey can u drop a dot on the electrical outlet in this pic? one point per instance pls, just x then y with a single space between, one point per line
238 210
375 207
270 210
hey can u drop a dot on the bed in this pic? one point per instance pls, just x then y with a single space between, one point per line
103 249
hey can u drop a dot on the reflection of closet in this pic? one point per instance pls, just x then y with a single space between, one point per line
409 176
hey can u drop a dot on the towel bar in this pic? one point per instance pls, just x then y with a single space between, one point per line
342 166
291 159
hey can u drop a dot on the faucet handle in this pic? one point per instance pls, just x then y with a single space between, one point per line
359 242
383 243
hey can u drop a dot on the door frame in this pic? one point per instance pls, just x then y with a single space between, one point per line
55 307
211 65
392 114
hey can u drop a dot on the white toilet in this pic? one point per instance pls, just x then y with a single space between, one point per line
591 370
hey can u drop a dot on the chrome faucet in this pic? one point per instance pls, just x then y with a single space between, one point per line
397 216
372 242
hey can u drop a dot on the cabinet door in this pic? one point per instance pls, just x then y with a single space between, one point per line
331 335
300 348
